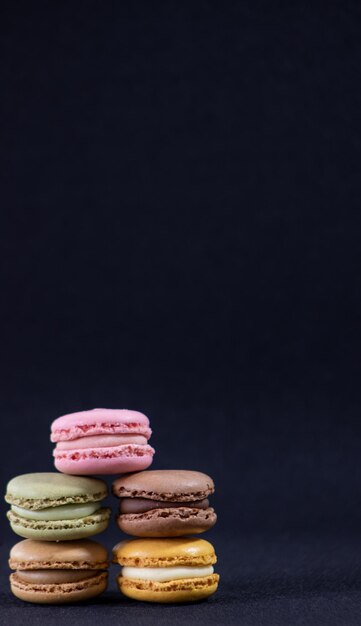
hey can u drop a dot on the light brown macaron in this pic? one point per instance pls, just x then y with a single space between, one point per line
164 503
178 569
48 572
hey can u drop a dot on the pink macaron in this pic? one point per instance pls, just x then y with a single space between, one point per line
102 441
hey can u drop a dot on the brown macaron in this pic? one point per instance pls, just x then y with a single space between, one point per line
164 503
50 572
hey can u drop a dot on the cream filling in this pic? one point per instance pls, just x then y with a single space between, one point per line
163 574
57 513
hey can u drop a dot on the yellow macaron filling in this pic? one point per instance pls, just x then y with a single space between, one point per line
164 574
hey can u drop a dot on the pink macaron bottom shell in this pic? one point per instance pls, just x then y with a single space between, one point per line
110 460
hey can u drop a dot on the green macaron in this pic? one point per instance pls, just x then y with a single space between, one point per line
49 506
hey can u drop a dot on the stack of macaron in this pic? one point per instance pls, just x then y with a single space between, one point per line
56 513
162 508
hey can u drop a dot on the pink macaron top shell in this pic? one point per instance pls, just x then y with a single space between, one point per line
99 422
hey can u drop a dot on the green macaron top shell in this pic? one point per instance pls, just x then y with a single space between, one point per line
49 489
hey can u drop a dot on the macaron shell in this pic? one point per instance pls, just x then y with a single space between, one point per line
60 530
115 460
181 590
164 552
99 422
172 485
45 489
30 554
59 593
167 522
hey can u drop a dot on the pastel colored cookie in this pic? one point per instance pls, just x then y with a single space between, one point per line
102 441
166 570
164 503
49 506
58 572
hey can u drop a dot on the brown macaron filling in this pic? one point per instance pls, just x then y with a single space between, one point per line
55 577
142 505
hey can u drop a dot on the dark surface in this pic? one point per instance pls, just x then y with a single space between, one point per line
270 579
180 235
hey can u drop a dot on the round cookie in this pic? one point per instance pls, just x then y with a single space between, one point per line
102 441
49 506
166 570
164 503
58 572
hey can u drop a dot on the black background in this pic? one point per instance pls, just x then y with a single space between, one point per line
180 235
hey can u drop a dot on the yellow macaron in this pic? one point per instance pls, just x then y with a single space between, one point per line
166 570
